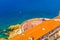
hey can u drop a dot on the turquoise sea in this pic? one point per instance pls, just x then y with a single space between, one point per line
17 11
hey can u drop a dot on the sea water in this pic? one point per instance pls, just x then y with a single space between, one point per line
17 11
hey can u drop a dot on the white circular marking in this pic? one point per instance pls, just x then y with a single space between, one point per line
43 29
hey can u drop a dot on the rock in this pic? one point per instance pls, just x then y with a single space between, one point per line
14 27
4 30
6 34
2 39
16 30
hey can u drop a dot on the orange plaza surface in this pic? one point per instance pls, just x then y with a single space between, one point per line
38 31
